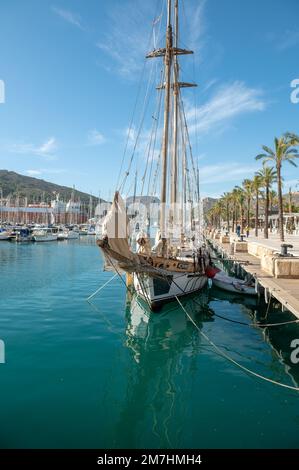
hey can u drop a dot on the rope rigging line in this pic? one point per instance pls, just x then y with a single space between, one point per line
225 355
153 137
120 185
145 104
230 359
188 140
101 287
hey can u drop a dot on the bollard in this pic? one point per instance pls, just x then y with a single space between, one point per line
284 249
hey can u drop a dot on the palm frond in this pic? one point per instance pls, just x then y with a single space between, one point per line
268 150
292 138
292 162
291 150
261 155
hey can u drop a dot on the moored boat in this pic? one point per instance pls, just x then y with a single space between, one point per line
4 235
44 234
24 235
175 266
232 284
68 234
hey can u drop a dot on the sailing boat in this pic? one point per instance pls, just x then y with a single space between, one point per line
175 266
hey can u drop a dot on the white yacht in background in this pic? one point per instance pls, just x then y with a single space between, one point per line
44 234
68 234
4 234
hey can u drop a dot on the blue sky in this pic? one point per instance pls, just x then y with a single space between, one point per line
72 68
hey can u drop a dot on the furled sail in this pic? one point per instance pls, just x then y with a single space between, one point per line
117 252
115 228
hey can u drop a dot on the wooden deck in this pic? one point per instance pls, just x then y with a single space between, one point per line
286 291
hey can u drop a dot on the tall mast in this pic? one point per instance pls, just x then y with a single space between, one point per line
184 193
169 52
175 113
168 63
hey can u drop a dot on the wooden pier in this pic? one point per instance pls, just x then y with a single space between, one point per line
285 291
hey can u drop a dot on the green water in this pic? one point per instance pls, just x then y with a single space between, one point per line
107 375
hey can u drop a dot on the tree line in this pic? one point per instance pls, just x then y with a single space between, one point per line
236 206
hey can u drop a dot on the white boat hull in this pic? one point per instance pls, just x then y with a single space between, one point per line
158 290
68 236
231 284
46 238
5 236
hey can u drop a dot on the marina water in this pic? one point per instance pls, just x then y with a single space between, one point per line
108 375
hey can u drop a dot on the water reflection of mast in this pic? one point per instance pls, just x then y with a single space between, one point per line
158 343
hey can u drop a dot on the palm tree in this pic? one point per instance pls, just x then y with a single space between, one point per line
256 185
235 204
268 176
290 200
272 199
240 196
247 185
284 151
226 198
214 215
218 209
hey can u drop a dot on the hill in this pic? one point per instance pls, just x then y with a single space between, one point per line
36 189
208 203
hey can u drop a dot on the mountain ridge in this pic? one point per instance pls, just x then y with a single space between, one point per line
35 189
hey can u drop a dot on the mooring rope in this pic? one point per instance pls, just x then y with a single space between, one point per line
101 287
216 348
230 359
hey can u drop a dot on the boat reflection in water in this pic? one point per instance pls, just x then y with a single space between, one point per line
171 326
165 348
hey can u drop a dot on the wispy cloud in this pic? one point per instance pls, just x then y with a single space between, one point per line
129 35
290 39
69 16
196 24
286 40
45 171
227 103
141 141
95 138
33 172
230 172
46 149
127 39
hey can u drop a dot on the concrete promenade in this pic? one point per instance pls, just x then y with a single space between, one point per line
258 259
